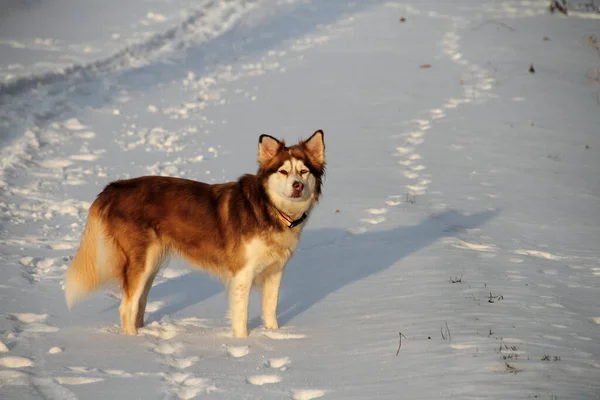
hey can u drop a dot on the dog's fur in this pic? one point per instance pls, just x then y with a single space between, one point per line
238 231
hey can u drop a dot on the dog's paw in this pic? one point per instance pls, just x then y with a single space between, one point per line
271 325
131 332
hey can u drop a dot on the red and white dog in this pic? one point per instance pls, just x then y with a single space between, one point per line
243 232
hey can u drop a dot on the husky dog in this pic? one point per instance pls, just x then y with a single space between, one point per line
244 232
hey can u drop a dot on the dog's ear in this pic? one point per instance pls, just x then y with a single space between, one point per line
315 146
268 146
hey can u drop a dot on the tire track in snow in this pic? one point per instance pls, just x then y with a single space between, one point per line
34 100
212 20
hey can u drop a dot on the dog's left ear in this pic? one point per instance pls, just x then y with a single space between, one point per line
315 146
268 146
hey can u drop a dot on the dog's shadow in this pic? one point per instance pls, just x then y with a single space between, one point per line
183 291
326 261
320 269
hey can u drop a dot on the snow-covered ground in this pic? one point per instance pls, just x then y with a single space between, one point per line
461 210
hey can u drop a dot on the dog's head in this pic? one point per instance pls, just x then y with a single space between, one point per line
293 175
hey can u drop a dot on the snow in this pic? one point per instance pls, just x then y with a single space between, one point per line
76 380
55 350
29 318
3 348
259 380
15 362
454 253
307 394
238 351
278 362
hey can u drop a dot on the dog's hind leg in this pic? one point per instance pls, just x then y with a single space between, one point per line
139 322
133 287
125 311
140 273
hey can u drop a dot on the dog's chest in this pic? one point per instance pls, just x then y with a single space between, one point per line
275 248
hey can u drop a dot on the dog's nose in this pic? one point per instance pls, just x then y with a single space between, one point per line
297 186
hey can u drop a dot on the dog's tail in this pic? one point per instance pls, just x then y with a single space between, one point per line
96 261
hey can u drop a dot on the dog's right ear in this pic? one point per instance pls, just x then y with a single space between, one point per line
267 148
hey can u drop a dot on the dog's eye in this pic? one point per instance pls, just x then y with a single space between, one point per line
283 172
304 171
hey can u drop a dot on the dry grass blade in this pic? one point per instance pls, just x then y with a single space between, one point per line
400 344
445 332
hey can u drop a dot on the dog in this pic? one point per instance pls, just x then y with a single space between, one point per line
243 232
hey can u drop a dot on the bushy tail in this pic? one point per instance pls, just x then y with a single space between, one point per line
94 263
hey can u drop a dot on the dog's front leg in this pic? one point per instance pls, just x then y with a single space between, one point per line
271 281
238 289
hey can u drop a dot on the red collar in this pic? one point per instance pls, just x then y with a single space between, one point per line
288 221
